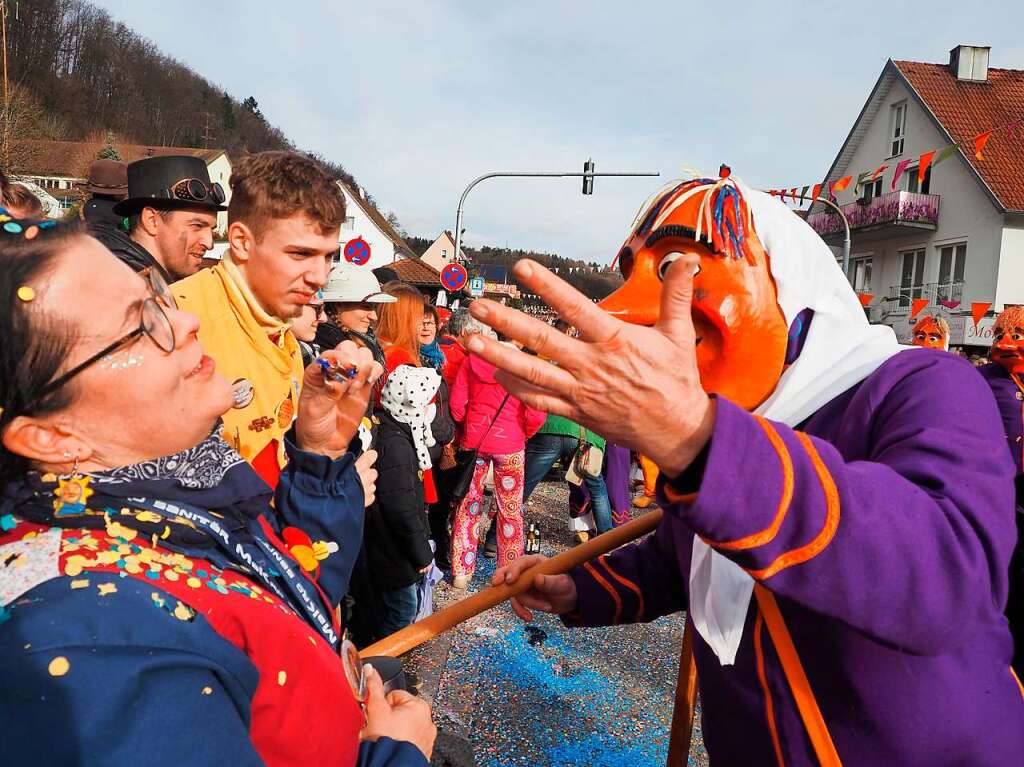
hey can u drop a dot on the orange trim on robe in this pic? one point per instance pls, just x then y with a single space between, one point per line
832 511
607 587
769 709
627 583
1017 680
768 534
799 685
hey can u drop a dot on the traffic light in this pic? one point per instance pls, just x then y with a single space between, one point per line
588 181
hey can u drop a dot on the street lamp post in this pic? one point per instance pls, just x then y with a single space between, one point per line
521 174
846 235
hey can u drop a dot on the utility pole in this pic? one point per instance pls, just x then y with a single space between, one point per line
587 175
206 132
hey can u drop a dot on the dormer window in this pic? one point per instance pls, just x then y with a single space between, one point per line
899 128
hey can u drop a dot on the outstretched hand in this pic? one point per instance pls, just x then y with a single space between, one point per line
636 386
330 411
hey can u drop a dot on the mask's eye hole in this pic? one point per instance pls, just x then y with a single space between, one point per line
668 260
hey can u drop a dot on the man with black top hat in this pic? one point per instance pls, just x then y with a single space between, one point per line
172 210
107 186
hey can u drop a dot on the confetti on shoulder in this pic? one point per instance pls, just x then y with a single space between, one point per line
106 589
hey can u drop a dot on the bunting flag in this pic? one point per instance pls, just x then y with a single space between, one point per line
865 298
896 174
916 306
842 183
948 152
950 304
924 161
978 309
979 143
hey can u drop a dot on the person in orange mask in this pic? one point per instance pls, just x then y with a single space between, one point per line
1005 376
931 333
836 533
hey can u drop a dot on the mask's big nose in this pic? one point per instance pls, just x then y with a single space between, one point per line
639 299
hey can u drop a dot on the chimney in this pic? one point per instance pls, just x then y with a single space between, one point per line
969 63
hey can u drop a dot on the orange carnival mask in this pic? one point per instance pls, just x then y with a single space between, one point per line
1008 340
742 337
931 333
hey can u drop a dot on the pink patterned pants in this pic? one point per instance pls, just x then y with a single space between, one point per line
469 519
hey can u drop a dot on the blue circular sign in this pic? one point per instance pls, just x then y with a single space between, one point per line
357 251
454 277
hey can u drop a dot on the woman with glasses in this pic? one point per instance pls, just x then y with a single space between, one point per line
305 325
154 604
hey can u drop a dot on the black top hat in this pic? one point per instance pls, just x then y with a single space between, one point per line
170 183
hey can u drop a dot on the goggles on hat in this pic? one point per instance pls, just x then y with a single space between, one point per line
195 190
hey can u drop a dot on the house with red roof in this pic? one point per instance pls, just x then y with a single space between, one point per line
954 234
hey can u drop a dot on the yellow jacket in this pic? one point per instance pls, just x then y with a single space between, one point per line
266 374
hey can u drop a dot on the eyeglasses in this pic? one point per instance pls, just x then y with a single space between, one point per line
153 323
319 310
195 190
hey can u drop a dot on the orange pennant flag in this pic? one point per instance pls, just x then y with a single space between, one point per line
979 143
923 162
842 183
865 298
916 306
815 192
978 309
878 171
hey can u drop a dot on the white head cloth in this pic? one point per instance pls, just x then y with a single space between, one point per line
840 349
406 397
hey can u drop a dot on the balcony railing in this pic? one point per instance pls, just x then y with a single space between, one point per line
919 211
946 294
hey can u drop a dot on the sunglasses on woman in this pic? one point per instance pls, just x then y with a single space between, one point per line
153 323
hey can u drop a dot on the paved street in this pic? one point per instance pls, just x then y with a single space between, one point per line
508 693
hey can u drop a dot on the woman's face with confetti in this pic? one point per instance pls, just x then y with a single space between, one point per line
741 332
139 402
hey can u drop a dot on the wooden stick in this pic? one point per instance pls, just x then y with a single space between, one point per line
413 636
686 704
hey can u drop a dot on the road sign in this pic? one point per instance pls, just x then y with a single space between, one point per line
476 287
357 251
454 277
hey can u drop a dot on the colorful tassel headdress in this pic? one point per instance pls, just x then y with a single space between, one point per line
711 212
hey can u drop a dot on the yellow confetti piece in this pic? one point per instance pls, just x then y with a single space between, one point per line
207 691
117 530
148 516
194 583
81 583
107 557
157 599
59 666
166 533
183 612
312 641
106 589
131 564
220 581
27 293
282 677
171 575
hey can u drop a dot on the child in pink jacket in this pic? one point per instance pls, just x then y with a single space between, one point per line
475 401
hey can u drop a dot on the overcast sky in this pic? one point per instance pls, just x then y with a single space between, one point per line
417 98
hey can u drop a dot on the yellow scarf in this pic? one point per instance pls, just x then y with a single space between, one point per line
236 331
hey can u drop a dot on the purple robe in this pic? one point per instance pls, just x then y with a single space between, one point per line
1010 401
889 566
